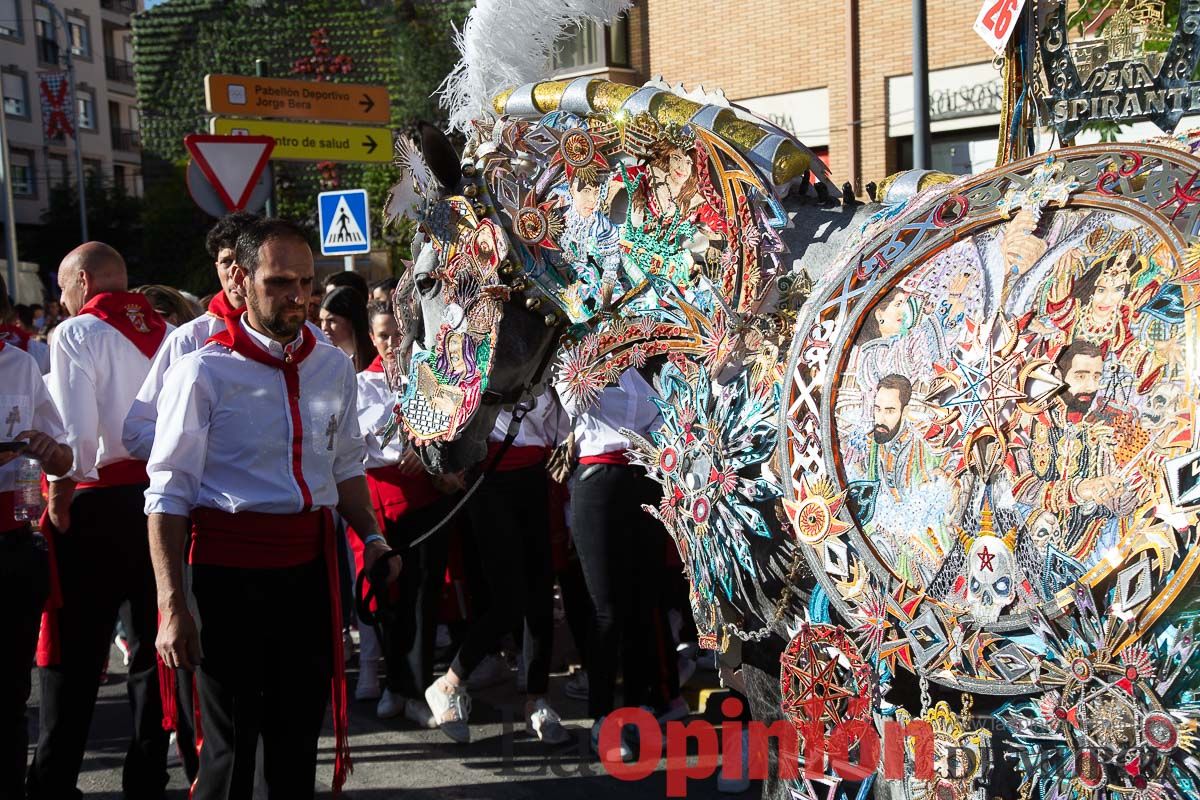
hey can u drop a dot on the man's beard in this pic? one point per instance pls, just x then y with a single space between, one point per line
884 434
1079 403
276 324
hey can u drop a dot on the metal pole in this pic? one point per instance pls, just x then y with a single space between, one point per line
70 65
348 263
922 156
260 70
10 216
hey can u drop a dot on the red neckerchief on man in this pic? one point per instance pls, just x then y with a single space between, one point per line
221 308
247 527
132 315
16 335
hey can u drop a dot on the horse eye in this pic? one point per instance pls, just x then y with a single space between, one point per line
425 283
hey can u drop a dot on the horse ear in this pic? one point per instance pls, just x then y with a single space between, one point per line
439 154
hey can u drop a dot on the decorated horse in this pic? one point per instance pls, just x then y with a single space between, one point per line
930 458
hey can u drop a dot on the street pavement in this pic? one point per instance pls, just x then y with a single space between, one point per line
395 759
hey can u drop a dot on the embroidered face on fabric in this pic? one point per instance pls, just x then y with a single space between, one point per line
459 286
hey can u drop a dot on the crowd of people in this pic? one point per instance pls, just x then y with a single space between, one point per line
210 461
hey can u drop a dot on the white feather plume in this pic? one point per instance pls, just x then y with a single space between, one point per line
507 43
417 184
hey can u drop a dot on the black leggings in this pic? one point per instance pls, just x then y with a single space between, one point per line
510 526
622 551
24 583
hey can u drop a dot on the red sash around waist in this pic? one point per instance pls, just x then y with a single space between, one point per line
127 472
517 457
254 540
394 494
614 457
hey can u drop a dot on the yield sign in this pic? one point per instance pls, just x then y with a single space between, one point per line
232 164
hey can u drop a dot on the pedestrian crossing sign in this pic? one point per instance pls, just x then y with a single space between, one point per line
345 225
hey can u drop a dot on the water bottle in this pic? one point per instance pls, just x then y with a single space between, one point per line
27 500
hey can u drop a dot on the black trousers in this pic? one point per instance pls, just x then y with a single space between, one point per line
410 630
266 671
24 583
622 552
103 560
510 521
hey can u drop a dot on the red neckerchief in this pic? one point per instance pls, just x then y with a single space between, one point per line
16 335
239 341
375 366
132 315
221 308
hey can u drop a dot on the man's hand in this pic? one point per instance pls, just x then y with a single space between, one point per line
55 458
178 640
411 464
449 482
10 456
376 550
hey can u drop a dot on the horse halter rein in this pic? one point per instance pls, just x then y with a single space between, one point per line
378 572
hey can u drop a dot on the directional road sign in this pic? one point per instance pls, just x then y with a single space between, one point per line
232 164
276 98
345 224
298 141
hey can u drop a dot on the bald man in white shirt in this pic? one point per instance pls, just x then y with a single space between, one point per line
99 358
257 440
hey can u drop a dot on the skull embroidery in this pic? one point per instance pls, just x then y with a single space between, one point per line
991 579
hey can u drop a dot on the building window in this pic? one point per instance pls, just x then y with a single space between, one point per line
56 171
43 27
16 95
81 37
86 100
591 46
23 184
10 19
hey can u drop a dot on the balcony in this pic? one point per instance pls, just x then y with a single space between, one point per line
118 69
126 139
123 6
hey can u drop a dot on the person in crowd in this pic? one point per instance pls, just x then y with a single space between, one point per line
31 420
621 551
348 278
14 334
99 358
262 531
138 432
409 503
344 322
169 303
381 291
509 514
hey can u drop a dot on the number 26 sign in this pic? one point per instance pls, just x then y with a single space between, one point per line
997 20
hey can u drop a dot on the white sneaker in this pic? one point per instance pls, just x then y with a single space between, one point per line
367 687
492 671
123 646
450 707
418 713
676 709
544 723
390 706
577 685
623 751
728 783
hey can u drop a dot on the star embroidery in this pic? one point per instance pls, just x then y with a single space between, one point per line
986 559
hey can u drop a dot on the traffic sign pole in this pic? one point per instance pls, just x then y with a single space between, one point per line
260 70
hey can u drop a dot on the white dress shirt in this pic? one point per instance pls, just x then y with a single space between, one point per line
225 430
375 404
626 404
138 430
25 404
545 425
95 372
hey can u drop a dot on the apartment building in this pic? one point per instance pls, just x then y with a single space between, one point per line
32 38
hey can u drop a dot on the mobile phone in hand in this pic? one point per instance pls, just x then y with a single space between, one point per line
16 446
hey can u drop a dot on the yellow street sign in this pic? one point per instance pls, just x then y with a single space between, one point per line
285 98
300 141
